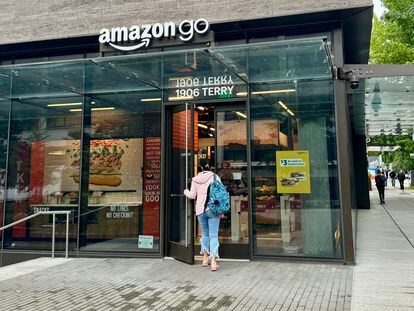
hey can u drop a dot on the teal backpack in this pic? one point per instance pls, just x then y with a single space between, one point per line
219 199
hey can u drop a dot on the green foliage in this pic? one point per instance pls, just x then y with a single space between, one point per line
392 40
374 153
399 158
401 13
387 157
387 140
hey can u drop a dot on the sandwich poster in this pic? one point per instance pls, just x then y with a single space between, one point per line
293 171
114 165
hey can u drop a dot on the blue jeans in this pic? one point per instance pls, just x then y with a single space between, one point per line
209 233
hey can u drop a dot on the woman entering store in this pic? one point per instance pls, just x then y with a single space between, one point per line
209 222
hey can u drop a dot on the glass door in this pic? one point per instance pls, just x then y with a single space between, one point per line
231 166
180 167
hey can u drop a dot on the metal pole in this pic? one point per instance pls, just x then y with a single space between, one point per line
53 236
53 226
67 236
186 173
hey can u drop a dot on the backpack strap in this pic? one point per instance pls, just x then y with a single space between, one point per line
207 198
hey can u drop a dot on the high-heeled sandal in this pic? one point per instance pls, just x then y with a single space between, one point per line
214 266
205 262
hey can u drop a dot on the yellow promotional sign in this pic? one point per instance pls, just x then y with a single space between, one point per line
293 171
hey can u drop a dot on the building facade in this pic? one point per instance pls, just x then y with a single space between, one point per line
108 108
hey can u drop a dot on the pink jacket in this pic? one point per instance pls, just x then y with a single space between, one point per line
199 188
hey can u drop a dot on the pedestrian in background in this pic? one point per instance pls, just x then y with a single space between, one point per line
393 175
401 178
380 183
385 172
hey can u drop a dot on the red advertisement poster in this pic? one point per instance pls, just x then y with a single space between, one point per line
152 186
37 168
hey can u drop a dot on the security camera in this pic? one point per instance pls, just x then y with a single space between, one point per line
354 85
353 80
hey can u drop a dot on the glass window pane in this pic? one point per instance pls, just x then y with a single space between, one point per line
108 76
199 75
44 132
285 60
48 80
183 126
231 163
123 207
144 71
291 223
388 106
4 128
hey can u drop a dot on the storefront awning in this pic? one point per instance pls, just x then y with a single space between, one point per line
270 70
385 106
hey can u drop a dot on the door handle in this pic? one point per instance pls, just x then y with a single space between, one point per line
176 195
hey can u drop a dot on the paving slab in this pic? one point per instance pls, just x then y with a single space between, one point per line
384 272
154 284
30 266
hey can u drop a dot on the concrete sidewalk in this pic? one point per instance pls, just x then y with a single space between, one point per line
383 278
384 271
154 284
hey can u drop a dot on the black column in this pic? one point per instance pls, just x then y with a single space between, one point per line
344 149
361 172
84 172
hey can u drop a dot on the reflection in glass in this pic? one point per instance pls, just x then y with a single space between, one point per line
43 132
278 61
196 75
221 141
231 163
4 116
123 203
296 224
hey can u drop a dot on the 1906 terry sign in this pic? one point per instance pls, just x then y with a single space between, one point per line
138 36
203 86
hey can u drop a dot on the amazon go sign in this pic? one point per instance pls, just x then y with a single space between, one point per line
135 37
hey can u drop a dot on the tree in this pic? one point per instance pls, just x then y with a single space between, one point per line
387 140
401 13
387 157
399 158
392 40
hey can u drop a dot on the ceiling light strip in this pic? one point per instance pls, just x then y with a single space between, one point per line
202 126
151 100
286 108
241 114
266 92
173 98
93 109
64 105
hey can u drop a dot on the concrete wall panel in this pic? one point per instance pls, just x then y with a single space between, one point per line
30 20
